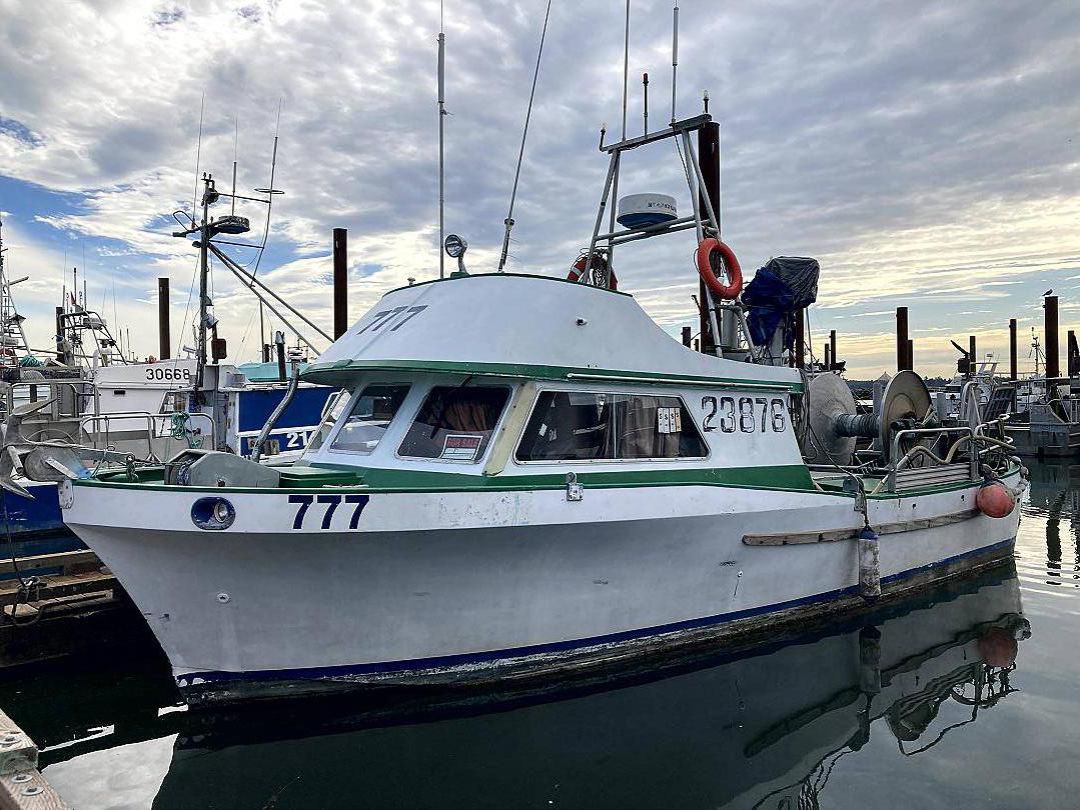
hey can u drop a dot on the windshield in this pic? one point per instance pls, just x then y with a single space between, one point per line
371 414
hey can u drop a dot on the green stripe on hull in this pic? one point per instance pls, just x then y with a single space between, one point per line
786 477
535 372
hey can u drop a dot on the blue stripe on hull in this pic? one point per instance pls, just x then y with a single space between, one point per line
446 661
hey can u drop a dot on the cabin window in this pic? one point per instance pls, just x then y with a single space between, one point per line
369 418
573 426
455 423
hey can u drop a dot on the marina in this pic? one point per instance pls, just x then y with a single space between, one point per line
692 484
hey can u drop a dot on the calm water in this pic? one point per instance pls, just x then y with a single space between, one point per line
967 698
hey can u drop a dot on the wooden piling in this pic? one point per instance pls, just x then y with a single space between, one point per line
164 332
341 282
1050 345
709 161
1012 348
832 348
973 360
901 338
686 336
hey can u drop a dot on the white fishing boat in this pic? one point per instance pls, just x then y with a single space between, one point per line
530 475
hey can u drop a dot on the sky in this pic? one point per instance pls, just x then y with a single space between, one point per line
926 153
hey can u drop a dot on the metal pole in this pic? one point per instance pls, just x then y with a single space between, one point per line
613 168
341 282
828 357
645 82
204 272
442 115
910 355
164 332
686 336
1053 369
799 361
1012 348
674 56
901 338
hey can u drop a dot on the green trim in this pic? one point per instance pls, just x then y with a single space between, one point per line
562 373
793 477
509 275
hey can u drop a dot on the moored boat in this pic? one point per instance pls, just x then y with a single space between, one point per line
530 475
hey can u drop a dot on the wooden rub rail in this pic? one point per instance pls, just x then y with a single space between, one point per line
834 535
22 787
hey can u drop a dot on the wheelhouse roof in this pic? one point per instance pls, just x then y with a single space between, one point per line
521 326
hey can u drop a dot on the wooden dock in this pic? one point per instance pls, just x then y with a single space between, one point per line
50 602
22 787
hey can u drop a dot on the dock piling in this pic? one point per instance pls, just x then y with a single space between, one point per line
164 333
341 282
902 339
1050 345
1012 348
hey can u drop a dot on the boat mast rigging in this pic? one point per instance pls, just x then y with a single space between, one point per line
509 221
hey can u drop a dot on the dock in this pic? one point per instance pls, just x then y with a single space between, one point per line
22 786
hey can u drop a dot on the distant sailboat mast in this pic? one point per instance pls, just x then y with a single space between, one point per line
12 336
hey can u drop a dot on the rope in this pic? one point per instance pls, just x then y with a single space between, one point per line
179 428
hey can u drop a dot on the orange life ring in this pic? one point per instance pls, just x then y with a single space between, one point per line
599 263
705 250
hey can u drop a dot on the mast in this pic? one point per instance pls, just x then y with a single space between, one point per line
204 272
442 116
11 328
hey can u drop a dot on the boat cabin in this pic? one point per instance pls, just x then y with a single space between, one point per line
505 376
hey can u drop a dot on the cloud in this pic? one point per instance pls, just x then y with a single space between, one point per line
924 152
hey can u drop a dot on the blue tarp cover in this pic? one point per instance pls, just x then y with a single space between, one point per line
780 288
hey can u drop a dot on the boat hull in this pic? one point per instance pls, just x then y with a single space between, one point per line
466 587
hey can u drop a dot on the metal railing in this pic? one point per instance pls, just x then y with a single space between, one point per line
972 461
146 427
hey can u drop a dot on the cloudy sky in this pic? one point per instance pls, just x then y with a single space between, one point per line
925 152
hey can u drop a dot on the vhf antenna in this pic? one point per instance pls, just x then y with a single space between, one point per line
442 114
674 55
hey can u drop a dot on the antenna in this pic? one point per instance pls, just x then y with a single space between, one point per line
674 55
236 138
442 115
645 83
625 67
509 221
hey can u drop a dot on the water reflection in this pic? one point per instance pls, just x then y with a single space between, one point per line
1053 506
765 730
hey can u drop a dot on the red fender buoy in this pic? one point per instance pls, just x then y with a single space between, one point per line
705 250
998 647
599 263
995 500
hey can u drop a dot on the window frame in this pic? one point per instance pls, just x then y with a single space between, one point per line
328 445
609 392
495 431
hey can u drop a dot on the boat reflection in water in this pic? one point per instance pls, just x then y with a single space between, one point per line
762 730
